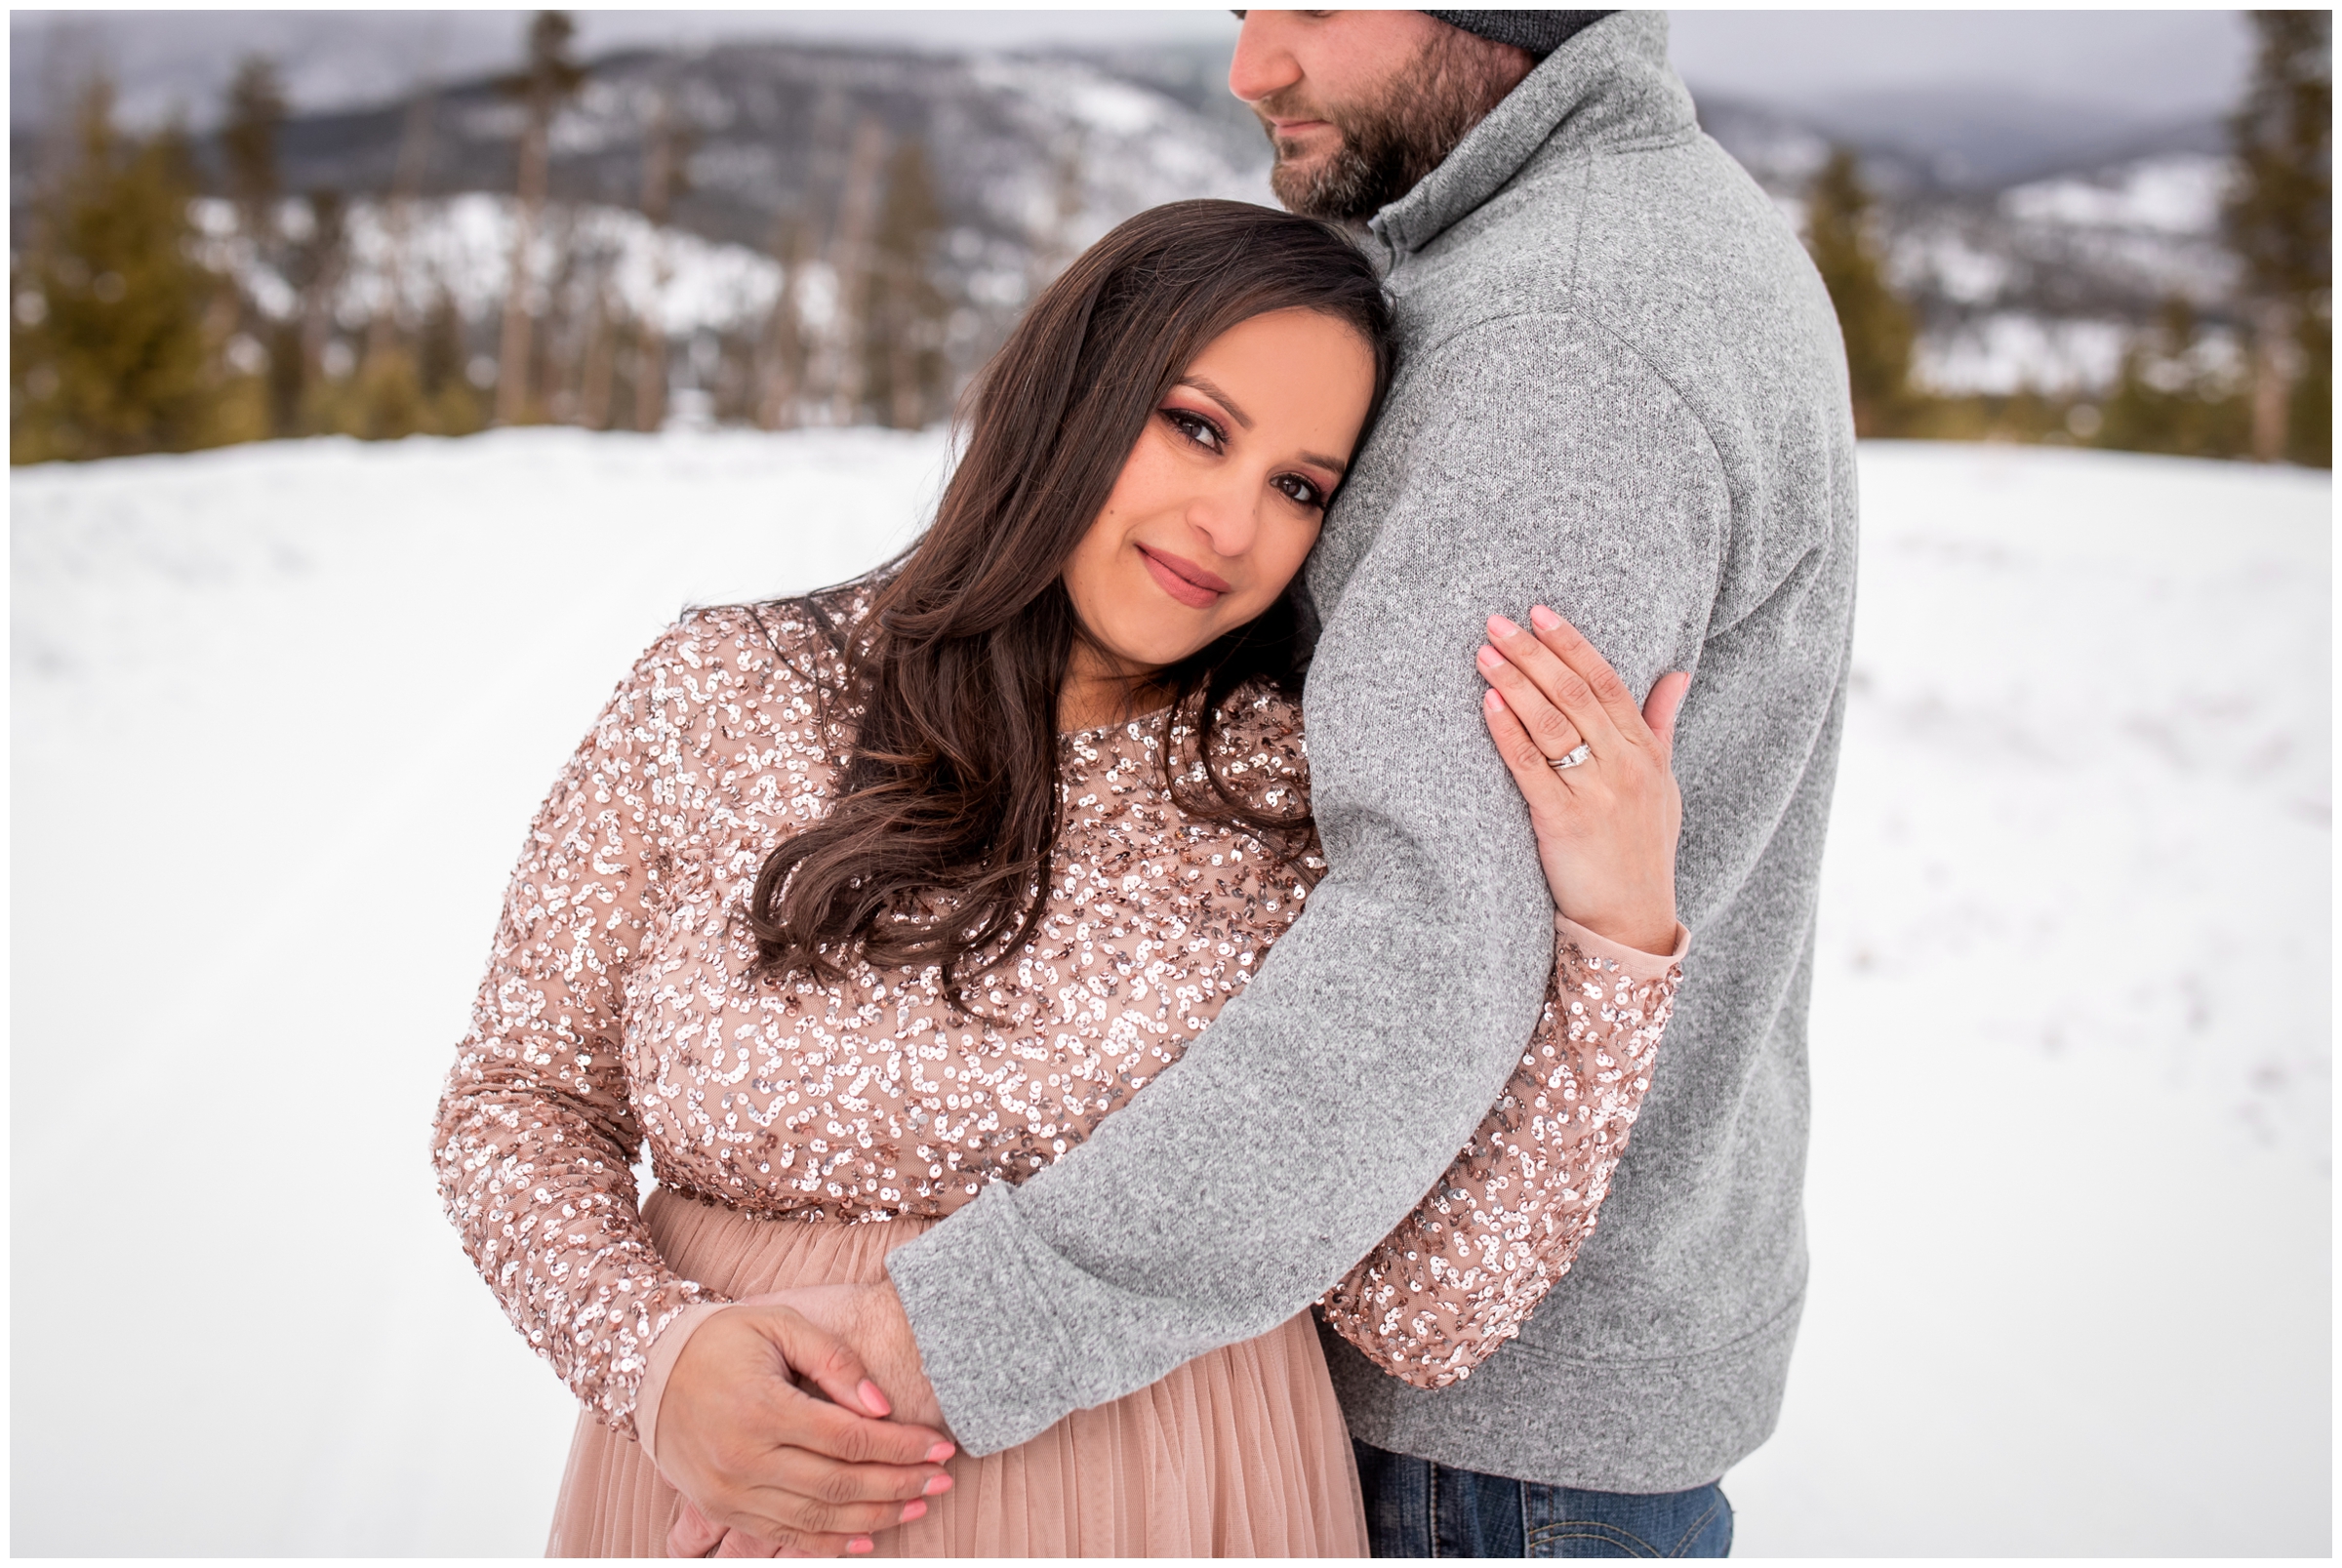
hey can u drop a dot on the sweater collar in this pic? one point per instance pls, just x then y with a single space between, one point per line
1608 84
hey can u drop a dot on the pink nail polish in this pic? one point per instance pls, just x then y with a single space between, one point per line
859 1546
1494 700
936 1486
1491 658
872 1400
1544 620
939 1453
1501 627
913 1510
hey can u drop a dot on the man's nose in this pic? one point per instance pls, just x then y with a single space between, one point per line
1263 63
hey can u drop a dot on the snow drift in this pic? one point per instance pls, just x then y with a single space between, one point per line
282 711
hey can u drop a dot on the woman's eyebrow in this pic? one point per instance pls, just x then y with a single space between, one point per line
1205 385
1218 397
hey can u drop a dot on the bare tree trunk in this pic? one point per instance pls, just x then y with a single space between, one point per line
414 152
658 193
1051 251
512 348
857 219
593 396
782 372
2272 378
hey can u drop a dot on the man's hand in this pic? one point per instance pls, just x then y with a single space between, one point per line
871 1319
759 1453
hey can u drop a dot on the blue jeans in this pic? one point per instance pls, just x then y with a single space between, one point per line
1416 1509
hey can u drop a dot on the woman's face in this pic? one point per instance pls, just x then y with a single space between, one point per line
1223 496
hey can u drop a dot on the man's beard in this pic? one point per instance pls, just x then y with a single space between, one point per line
1387 147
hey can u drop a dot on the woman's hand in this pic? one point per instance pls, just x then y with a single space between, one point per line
759 1453
1606 825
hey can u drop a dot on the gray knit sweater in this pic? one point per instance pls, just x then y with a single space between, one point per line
1620 393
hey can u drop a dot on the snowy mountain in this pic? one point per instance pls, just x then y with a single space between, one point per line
1027 154
2032 248
2035 238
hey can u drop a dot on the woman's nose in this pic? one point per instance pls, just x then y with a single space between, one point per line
1262 64
1226 521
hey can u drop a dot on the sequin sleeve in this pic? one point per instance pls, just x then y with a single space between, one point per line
1463 1272
536 1132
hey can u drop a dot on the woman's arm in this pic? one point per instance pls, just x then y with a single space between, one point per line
1462 1272
536 1135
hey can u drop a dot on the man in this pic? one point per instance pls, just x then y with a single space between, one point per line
1620 393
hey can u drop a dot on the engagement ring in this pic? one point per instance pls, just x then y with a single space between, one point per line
1583 754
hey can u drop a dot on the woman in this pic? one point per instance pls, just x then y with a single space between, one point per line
851 904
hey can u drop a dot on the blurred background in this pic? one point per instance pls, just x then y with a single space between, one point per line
2099 229
382 381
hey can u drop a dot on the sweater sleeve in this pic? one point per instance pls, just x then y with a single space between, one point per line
1463 1272
536 1132
1536 460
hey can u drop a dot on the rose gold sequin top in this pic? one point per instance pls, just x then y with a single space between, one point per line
618 1009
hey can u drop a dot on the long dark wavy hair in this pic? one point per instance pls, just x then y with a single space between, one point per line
950 782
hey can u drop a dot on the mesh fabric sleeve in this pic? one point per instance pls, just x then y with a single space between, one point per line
1463 1272
535 1136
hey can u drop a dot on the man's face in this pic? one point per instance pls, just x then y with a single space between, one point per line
1362 105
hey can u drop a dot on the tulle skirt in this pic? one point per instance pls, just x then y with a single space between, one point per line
1240 1453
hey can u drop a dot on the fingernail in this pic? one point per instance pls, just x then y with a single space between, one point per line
872 1400
939 1453
1495 700
1502 627
858 1545
1544 620
936 1487
1490 659
913 1510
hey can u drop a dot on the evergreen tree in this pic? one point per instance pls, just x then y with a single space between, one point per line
2166 399
2280 220
441 362
109 351
1876 325
905 375
314 262
256 111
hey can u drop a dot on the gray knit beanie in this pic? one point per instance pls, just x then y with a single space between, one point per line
1539 33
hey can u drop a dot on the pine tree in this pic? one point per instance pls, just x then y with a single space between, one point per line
314 262
441 361
109 351
905 372
2280 221
2166 399
256 112
1875 324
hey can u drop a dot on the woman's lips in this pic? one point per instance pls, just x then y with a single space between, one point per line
1191 584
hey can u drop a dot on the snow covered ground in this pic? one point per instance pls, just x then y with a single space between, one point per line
280 714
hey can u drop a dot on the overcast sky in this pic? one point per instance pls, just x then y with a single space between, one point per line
2150 64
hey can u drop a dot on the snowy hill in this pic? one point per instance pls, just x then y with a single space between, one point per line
280 714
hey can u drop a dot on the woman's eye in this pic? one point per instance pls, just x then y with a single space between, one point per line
1300 490
1197 429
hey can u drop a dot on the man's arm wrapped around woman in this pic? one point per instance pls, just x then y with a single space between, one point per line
1460 1274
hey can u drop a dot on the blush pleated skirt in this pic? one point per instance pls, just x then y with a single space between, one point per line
1240 1453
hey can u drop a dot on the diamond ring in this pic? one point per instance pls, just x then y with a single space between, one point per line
1584 753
